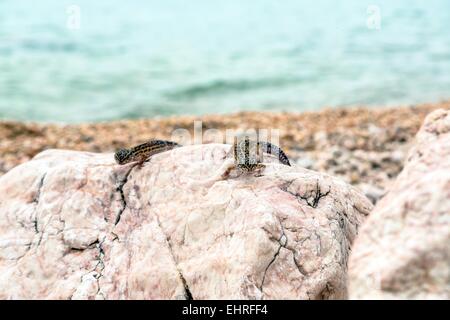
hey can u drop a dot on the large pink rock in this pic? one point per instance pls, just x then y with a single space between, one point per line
75 225
403 250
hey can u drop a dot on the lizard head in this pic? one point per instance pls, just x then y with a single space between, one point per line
122 156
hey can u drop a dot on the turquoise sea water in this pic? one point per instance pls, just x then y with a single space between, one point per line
132 59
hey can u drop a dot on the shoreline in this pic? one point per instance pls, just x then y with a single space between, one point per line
365 146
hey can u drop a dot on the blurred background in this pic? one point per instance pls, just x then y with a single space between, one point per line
88 61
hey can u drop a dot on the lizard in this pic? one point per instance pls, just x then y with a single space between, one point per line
143 152
248 155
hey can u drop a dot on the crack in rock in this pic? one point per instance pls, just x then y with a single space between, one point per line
270 263
97 270
187 292
122 196
100 265
299 267
312 201
38 192
283 242
36 201
327 291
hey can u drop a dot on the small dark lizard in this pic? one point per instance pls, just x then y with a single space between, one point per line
248 155
142 152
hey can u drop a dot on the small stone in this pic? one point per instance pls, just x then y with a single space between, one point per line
305 162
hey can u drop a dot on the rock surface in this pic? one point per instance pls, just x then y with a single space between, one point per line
74 225
403 250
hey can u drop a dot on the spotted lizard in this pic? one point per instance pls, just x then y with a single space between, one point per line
248 155
143 152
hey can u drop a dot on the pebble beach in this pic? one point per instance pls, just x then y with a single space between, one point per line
364 146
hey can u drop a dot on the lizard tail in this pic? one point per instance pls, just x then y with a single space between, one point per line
273 149
165 143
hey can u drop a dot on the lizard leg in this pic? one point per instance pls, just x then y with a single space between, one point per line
226 173
142 160
259 168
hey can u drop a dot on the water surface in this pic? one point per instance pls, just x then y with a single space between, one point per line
133 59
